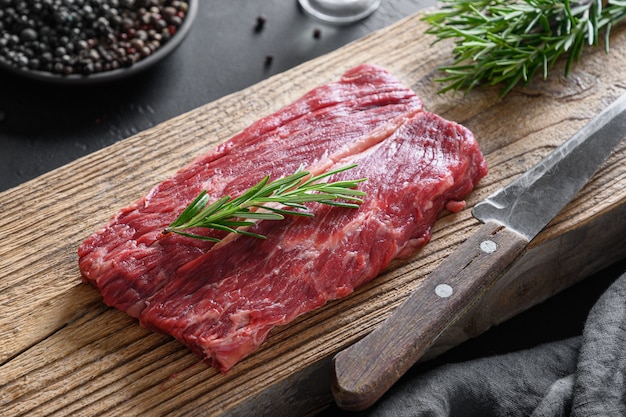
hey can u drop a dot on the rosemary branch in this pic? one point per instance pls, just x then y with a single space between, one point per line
234 214
510 41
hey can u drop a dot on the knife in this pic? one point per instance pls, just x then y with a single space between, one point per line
511 218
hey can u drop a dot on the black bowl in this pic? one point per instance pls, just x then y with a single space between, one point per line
117 73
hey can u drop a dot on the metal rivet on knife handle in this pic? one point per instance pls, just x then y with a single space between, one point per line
488 246
443 290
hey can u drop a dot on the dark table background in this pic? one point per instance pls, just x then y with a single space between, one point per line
44 126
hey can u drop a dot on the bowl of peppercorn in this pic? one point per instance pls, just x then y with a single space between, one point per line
89 41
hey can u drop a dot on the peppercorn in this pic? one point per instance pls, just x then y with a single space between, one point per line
28 35
85 36
260 23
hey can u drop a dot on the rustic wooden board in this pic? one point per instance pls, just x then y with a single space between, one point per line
62 352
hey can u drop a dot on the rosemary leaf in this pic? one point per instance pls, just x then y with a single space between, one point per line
230 214
510 41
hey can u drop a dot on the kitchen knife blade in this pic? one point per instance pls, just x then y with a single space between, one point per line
511 218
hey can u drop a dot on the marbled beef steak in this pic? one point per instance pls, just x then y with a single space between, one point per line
222 301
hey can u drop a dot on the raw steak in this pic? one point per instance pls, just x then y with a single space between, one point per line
222 301
127 262
223 304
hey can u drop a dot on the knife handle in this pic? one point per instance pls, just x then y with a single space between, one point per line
363 372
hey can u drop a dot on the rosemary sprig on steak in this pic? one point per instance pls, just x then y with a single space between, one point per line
509 41
291 192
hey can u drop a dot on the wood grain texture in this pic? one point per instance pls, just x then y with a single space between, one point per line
62 352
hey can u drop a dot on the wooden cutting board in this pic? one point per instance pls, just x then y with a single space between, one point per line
63 352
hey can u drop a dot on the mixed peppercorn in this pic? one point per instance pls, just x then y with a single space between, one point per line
85 36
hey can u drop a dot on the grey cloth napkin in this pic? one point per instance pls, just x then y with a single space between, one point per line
580 376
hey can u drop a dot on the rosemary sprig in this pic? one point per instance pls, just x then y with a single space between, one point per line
233 214
510 41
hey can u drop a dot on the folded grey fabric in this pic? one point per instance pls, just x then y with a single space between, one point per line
579 376
600 387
